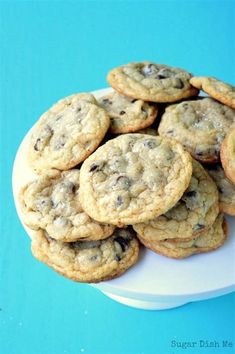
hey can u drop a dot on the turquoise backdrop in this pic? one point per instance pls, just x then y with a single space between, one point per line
52 49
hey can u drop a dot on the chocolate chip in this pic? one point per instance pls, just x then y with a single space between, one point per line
94 258
122 112
198 227
48 237
60 143
134 100
179 84
78 109
150 144
74 189
119 201
58 118
95 167
169 131
117 257
106 100
160 77
143 110
123 181
191 194
36 145
122 242
147 69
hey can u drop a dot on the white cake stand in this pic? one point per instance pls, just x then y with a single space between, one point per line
156 282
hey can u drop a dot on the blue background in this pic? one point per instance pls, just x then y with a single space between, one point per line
52 49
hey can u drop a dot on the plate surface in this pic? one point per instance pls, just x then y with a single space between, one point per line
156 282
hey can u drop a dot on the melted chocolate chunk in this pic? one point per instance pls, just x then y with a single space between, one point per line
36 145
160 77
148 69
199 153
123 181
198 227
191 194
169 131
143 110
60 143
150 144
117 257
94 258
122 112
123 242
107 101
119 201
95 167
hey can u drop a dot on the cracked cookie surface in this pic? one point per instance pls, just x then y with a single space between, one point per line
227 155
199 125
52 203
217 89
194 213
67 133
127 114
88 261
225 187
152 82
133 178
213 239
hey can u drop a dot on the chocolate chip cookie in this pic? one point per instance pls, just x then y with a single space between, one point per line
200 125
194 213
127 114
88 261
225 187
134 178
52 203
213 239
227 155
152 82
217 89
67 133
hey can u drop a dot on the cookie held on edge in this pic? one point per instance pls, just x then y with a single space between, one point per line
67 133
152 82
227 155
126 114
52 203
213 239
194 213
134 178
88 261
217 89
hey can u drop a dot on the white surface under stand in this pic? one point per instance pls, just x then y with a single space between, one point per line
156 282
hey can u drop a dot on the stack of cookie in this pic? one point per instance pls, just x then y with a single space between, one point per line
108 179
